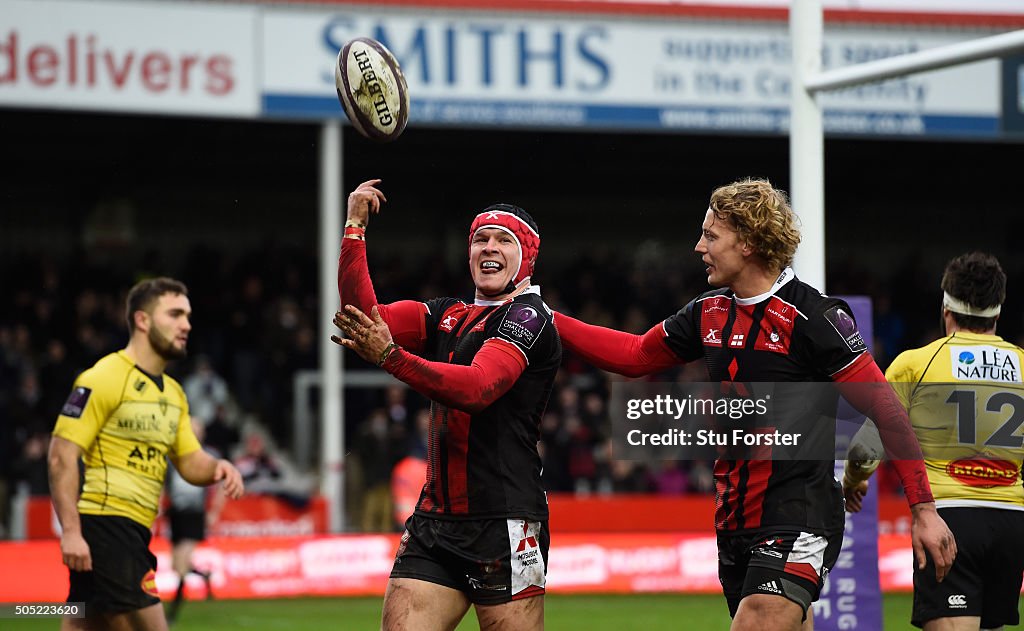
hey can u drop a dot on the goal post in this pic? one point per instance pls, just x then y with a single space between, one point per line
806 144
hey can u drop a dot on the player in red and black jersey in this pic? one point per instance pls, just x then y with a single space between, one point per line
779 523
790 333
479 534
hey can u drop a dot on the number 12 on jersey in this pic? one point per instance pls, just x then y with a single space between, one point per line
967 418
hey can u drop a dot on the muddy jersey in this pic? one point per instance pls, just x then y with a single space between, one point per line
790 334
127 422
486 465
965 396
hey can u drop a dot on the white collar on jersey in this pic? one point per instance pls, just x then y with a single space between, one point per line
787 275
480 302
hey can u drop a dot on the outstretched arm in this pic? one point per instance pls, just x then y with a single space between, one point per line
616 351
494 371
405 317
865 387
495 368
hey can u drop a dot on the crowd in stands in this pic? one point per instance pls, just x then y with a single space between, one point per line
254 327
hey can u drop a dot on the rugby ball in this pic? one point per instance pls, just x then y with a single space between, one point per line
372 89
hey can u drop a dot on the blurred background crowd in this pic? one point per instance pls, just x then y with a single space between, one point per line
254 328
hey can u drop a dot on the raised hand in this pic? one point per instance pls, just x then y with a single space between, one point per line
368 336
364 200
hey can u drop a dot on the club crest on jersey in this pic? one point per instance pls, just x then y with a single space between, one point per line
846 327
776 329
984 363
522 325
77 400
771 338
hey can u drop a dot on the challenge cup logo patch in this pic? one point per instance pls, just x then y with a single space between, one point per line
522 325
845 326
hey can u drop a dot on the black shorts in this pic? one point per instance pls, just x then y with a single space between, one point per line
187 525
985 579
492 561
123 576
786 563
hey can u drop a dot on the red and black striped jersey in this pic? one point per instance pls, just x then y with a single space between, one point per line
486 464
792 333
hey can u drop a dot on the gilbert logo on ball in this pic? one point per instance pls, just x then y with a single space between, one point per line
372 89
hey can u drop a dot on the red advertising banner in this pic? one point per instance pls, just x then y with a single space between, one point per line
264 516
617 544
896 562
250 516
351 565
267 516
632 513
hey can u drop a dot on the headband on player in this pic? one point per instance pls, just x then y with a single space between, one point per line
517 222
959 306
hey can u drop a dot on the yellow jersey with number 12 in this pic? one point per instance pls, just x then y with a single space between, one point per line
965 397
127 423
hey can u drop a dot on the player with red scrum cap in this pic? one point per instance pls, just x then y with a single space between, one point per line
479 533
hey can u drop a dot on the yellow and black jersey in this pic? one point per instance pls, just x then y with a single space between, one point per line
126 422
965 397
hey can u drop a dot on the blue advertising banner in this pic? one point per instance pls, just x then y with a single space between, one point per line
516 70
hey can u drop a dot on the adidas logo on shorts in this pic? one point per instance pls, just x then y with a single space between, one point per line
771 587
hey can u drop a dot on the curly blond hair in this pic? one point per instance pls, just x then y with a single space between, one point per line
761 216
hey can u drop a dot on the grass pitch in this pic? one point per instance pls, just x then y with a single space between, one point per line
643 612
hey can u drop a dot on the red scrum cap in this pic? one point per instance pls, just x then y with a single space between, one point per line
517 222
